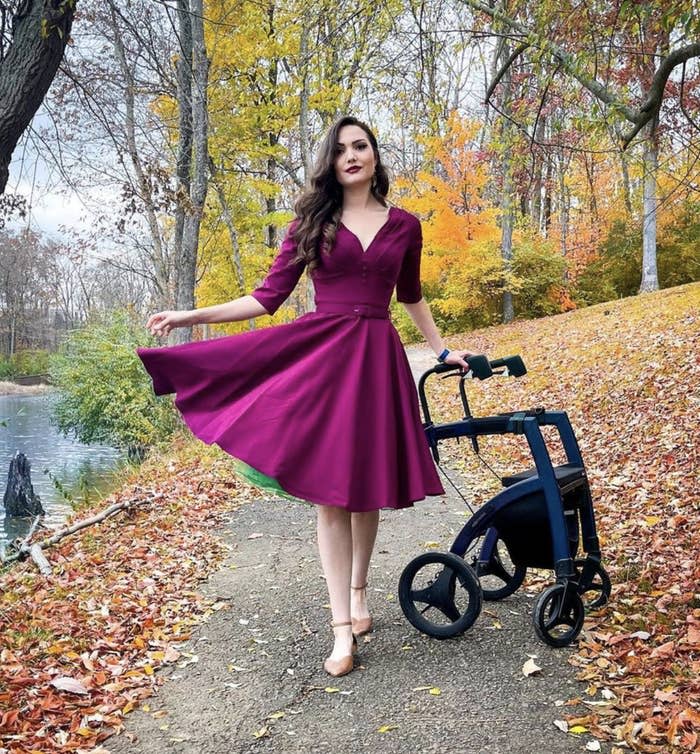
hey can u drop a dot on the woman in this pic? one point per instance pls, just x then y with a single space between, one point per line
323 408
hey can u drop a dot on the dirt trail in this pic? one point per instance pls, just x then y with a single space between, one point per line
258 669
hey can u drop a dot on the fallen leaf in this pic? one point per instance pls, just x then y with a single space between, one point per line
386 728
66 683
530 668
562 725
643 635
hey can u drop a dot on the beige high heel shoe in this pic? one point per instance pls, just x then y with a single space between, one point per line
345 664
361 626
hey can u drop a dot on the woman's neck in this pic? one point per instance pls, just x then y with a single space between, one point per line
358 198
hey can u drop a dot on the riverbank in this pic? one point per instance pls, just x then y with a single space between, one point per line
12 388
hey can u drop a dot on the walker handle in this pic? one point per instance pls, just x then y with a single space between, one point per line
478 366
514 365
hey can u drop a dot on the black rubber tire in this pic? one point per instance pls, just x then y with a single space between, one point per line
440 594
601 586
501 568
545 620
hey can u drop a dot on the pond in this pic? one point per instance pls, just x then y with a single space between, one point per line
78 468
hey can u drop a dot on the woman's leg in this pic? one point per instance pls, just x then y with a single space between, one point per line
364 534
335 547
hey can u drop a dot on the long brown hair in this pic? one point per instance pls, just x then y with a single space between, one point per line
319 207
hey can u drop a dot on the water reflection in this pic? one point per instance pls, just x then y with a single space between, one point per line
73 469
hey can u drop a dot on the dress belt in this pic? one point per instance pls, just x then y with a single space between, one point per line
356 310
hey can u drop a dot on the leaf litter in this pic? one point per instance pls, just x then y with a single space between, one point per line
628 374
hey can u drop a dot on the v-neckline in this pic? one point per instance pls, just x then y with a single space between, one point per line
374 237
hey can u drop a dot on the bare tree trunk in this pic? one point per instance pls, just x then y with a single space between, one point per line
590 175
304 137
650 278
187 261
41 29
624 166
507 212
507 199
13 328
184 102
563 210
304 126
162 273
236 261
536 204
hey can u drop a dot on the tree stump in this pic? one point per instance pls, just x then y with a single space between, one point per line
20 499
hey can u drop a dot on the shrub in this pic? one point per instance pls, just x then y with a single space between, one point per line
105 395
538 273
7 368
30 362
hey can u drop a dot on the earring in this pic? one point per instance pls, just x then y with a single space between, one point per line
374 182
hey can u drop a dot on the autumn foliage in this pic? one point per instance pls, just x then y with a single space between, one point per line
626 372
80 647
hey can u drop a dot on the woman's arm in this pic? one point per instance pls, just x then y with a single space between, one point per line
422 317
245 307
279 282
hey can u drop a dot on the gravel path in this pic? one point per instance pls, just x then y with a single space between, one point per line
258 685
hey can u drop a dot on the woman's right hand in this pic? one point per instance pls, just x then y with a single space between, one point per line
161 323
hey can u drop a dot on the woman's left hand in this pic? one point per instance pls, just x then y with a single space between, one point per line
460 358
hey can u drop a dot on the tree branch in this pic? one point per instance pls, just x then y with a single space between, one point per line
567 61
517 52
652 104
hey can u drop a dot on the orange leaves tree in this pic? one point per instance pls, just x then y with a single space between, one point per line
631 61
462 270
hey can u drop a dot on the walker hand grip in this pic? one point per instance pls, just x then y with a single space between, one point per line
514 365
478 366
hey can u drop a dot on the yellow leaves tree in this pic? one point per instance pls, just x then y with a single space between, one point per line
461 268
280 72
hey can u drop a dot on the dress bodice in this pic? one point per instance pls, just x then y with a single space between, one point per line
349 274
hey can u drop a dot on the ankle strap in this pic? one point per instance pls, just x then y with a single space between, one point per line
338 625
359 588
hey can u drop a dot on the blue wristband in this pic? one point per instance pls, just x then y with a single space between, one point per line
441 358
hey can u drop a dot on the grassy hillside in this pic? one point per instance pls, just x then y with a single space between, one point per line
628 374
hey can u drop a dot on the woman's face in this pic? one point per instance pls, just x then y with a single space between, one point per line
354 161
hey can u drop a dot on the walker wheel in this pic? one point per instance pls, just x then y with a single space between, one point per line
430 597
558 615
500 577
598 591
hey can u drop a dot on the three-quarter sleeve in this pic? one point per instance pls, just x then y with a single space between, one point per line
408 287
282 277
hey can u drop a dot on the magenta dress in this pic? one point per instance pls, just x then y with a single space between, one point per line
325 405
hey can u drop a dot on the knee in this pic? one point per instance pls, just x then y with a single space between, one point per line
332 517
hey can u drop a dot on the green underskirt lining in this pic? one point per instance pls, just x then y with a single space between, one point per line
263 481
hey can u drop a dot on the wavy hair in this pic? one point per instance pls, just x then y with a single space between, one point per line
319 207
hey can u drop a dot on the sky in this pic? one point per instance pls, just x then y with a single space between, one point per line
50 202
